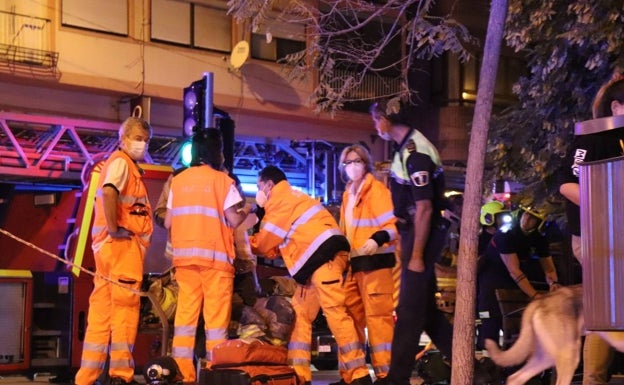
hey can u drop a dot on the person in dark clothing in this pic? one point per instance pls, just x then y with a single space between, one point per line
593 145
417 186
517 258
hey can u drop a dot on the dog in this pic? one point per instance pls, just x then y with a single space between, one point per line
550 335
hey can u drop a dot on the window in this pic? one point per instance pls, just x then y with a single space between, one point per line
171 21
191 25
212 29
383 76
509 71
109 16
283 39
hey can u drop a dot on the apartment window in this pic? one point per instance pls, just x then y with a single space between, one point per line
192 25
509 71
383 75
171 22
212 29
276 41
109 16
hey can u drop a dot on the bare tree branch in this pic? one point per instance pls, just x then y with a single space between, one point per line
353 42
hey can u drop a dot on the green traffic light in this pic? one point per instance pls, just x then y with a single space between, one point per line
186 154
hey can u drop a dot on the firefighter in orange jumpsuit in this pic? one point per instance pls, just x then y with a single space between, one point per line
315 251
203 209
121 234
367 219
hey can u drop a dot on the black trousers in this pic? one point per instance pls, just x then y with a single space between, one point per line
417 311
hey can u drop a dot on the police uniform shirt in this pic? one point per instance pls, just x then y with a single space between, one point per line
587 148
529 248
416 175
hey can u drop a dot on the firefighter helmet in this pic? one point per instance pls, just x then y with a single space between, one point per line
540 214
489 212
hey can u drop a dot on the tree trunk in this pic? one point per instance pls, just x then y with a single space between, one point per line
465 304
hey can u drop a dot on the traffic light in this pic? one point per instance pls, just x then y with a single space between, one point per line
226 125
223 122
197 104
186 153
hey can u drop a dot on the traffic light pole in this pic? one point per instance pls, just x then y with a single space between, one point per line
208 112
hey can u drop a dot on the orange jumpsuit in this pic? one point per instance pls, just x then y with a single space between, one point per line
114 311
203 253
370 283
316 254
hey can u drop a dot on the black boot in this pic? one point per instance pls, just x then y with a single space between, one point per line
366 380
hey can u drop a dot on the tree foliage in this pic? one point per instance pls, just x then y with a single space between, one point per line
571 48
350 41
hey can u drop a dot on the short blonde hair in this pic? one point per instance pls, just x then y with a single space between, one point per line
133 122
362 152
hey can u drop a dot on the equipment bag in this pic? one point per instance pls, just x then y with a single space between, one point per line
253 351
249 375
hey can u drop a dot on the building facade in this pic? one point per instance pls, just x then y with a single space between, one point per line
95 60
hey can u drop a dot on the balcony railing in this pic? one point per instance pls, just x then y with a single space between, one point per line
25 42
372 86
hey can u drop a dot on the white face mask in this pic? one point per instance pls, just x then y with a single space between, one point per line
355 171
382 127
261 198
136 149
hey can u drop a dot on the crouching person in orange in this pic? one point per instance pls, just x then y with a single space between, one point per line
367 218
203 208
316 254
121 233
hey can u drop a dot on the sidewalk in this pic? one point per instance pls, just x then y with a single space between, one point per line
323 377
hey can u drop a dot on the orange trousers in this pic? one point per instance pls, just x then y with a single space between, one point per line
113 312
326 291
369 301
200 288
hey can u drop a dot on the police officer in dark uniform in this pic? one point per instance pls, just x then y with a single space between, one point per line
417 193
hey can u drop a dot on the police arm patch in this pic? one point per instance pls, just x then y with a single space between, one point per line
420 178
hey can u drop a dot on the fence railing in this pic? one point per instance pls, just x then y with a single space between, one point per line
25 39
371 87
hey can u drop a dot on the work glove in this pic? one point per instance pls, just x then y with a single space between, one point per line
369 247
121 233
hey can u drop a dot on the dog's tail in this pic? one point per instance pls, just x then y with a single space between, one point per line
521 349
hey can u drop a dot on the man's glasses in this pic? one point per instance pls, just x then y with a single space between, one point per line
356 161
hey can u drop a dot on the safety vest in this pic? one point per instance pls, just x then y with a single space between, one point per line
134 212
295 223
200 234
398 170
373 211
403 180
